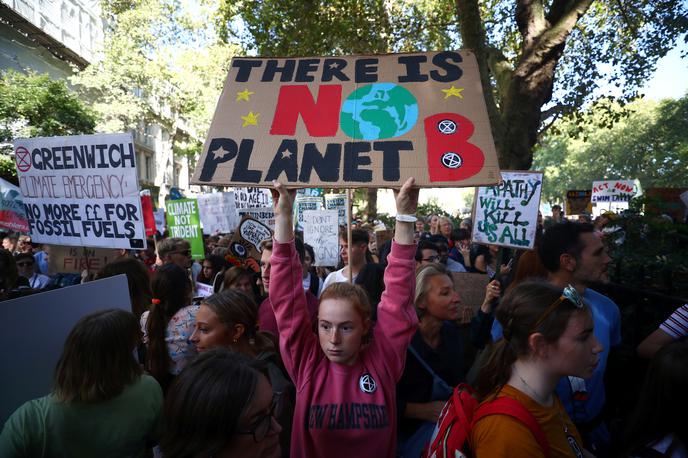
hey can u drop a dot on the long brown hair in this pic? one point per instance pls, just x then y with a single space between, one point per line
518 314
234 307
138 279
171 292
97 361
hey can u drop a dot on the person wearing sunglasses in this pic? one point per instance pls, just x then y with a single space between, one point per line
572 253
548 334
26 267
175 250
222 405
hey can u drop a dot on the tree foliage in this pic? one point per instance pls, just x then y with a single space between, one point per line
161 64
649 144
34 105
538 60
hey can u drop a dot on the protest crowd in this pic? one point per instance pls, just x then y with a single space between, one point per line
380 355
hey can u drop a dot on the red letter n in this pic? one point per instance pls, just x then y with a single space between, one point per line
321 117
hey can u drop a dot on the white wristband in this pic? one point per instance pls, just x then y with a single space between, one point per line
407 218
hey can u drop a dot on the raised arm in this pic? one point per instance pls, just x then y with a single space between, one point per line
397 320
298 344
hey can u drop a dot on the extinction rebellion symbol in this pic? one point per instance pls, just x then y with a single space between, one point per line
23 159
367 384
451 160
446 126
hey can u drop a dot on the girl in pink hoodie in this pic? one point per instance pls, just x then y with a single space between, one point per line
346 376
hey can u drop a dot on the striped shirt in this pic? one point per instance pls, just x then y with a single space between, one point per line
677 324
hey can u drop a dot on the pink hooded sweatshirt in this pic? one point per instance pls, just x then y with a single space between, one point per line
344 411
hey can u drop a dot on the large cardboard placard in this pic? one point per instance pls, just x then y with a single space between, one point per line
68 259
183 221
506 214
321 231
12 214
613 191
578 201
29 358
218 212
337 202
81 190
355 121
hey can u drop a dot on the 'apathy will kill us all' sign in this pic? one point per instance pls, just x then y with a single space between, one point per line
356 121
81 190
506 214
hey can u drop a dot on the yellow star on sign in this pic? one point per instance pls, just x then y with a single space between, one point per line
250 119
453 91
244 95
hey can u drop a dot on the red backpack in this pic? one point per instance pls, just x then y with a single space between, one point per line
462 411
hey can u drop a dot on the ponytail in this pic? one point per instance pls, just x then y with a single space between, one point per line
497 369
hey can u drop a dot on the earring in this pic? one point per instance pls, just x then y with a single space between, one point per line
235 340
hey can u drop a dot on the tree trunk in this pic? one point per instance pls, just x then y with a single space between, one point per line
371 206
528 87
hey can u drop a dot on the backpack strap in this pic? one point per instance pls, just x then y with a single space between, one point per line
513 408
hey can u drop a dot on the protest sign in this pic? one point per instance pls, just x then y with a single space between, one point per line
302 204
203 290
353 121
578 201
252 198
81 190
265 215
218 212
244 249
67 259
29 358
12 214
160 222
506 214
183 221
337 202
471 289
613 191
147 211
666 201
321 231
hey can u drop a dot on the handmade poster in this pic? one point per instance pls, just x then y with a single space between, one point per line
666 201
302 204
506 214
218 212
471 289
81 190
147 211
244 249
310 192
12 214
30 357
353 121
203 290
69 259
252 198
265 215
183 221
321 231
614 191
578 201
160 222
337 202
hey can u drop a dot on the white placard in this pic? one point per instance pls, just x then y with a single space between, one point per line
613 191
321 231
337 202
303 204
218 212
203 290
265 215
160 221
506 214
252 198
81 190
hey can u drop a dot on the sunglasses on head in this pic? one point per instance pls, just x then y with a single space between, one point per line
569 294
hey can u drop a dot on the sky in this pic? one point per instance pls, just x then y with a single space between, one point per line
671 77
